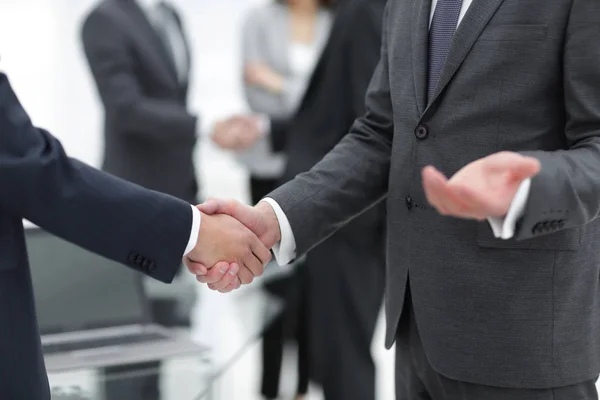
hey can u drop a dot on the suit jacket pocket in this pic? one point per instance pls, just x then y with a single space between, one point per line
9 252
515 33
566 240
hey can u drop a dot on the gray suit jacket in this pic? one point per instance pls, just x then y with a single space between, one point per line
522 76
149 133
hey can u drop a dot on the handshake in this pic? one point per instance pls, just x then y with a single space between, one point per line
238 132
233 244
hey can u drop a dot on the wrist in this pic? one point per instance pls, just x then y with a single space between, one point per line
270 218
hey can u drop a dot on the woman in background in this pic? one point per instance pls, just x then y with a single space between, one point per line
282 42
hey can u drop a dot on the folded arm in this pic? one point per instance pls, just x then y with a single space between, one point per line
113 70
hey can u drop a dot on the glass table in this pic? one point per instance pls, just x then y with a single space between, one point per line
176 378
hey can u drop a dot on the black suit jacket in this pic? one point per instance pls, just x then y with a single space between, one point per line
149 133
335 97
145 230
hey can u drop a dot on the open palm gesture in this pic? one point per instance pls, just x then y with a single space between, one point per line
484 188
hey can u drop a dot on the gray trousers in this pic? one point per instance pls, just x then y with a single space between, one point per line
417 380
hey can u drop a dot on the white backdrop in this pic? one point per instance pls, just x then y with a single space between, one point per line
41 51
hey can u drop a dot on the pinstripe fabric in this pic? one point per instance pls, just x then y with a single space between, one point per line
443 26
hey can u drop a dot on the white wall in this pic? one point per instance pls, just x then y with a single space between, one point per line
41 51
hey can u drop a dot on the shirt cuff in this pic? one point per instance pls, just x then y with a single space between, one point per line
196 217
285 250
504 228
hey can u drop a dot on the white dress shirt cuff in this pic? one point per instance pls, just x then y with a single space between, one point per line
196 217
285 250
504 228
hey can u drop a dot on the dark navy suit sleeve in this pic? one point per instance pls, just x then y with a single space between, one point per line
145 230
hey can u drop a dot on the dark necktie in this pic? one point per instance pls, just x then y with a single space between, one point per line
441 32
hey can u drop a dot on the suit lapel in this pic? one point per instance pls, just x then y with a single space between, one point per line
420 44
473 23
149 39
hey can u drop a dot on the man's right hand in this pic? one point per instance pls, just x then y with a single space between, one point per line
260 219
222 238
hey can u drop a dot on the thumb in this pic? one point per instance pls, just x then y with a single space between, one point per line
210 206
219 206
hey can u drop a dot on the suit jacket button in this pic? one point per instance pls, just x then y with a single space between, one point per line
561 224
151 266
132 257
421 132
146 264
409 202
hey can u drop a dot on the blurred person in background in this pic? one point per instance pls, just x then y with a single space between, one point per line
281 43
344 302
139 56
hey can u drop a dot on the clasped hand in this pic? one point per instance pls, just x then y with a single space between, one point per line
233 244
239 248
236 133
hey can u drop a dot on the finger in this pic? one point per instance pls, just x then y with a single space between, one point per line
221 137
254 265
526 168
445 198
475 202
217 206
247 139
244 142
227 279
505 160
194 267
210 206
235 284
432 183
260 251
215 274
246 277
